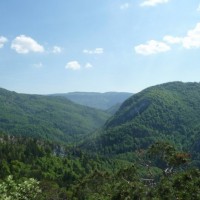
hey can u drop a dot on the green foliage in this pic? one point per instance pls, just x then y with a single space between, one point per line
165 153
168 112
57 167
140 153
48 117
19 190
141 182
68 173
184 185
128 184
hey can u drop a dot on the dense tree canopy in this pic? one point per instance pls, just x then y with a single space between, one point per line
47 117
150 149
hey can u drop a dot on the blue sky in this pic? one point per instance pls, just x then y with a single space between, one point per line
58 46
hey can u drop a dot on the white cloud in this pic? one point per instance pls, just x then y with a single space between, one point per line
172 40
152 47
3 40
73 65
23 45
124 6
94 51
38 65
88 65
191 40
57 49
153 2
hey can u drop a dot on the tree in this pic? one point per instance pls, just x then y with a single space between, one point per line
166 156
23 190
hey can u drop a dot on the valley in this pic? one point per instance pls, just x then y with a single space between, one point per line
103 101
149 148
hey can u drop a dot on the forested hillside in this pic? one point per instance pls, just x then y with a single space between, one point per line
53 118
34 169
56 167
103 101
167 112
150 149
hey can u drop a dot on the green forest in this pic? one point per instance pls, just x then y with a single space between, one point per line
47 117
53 149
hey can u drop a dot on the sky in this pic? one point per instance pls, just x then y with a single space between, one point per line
60 46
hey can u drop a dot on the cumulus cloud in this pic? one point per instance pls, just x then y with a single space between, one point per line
124 6
191 40
23 45
94 51
152 47
3 40
153 2
73 65
88 65
172 40
57 49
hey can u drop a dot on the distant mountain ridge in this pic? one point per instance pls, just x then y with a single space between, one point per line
103 101
49 117
168 112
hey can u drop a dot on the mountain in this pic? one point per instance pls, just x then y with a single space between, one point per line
112 110
166 112
49 117
103 101
123 167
